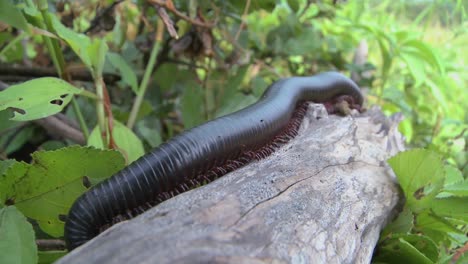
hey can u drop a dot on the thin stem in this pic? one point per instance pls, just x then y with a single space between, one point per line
244 17
59 63
81 121
100 110
13 42
89 94
148 71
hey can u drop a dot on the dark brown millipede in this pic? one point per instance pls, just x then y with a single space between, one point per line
204 153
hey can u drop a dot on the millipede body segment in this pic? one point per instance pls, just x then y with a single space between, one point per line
204 153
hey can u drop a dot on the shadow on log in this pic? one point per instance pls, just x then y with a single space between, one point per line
322 198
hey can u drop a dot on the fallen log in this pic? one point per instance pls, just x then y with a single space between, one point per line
322 198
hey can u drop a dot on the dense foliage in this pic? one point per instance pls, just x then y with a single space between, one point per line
120 77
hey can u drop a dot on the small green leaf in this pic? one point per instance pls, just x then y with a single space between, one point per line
385 50
37 98
416 67
427 53
453 175
11 15
457 188
45 189
454 207
128 74
438 94
421 176
17 243
127 142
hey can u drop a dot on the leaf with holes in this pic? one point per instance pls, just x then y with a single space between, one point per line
37 98
17 243
45 189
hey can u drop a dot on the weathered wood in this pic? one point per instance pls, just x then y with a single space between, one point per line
323 198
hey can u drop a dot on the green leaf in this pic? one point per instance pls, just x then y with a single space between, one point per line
421 176
45 189
416 67
454 207
180 78
19 138
385 45
128 74
458 188
5 164
427 53
438 94
403 224
11 48
37 98
17 243
294 5
230 97
127 142
400 250
236 102
231 86
192 105
438 228
453 175
11 15
79 43
149 128
6 123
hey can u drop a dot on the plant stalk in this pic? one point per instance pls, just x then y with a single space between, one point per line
59 63
100 109
148 71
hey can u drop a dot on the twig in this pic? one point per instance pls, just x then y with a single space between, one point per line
147 75
170 6
54 126
167 21
34 72
50 244
96 20
244 15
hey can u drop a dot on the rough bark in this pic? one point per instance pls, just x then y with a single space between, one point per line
322 198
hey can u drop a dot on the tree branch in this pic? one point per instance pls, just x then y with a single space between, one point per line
9 72
170 6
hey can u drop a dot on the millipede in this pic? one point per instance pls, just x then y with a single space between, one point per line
206 152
